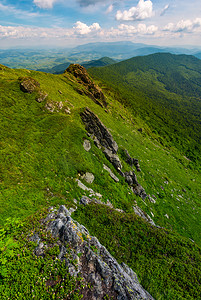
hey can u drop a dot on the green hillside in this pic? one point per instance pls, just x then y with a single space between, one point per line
164 90
42 158
104 61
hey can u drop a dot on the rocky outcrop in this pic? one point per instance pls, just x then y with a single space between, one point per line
104 141
96 128
91 260
90 89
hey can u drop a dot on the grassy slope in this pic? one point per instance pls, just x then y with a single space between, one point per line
165 90
42 154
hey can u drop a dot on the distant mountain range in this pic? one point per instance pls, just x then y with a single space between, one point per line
49 60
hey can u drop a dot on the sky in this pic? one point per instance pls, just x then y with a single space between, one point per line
67 23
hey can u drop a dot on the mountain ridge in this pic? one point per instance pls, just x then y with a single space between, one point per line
49 159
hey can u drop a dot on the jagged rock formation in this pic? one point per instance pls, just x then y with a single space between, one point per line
104 140
96 128
92 260
91 90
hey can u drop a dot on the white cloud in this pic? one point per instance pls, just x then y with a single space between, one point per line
164 10
142 11
83 29
140 29
21 32
187 26
44 3
110 9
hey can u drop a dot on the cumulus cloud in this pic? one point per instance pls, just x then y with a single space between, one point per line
83 29
45 3
142 11
184 26
140 29
164 10
21 32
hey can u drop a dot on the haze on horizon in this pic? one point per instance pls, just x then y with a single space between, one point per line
67 23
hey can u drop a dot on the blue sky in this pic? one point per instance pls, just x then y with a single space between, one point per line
72 22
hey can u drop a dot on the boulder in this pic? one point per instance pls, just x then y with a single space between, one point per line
88 177
87 145
112 175
29 85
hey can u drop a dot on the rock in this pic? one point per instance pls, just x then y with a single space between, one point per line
112 175
139 190
104 141
88 177
92 90
152 200
84 187
87 145
57 106
113 158
85 200
41 96
94 126
140 130
167 216
132 161
138 211
93 262
29 85
39 250
130 178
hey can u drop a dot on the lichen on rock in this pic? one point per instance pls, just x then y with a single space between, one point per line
92 261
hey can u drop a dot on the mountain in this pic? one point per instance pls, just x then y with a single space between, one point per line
165 90
104 61
198 55
46 59
60 68
90 200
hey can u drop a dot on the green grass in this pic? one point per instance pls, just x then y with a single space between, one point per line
164 90
27 276
41 155
167 265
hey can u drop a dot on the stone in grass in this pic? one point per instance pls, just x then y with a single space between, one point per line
152 200
29 85
88 177
87 145
41 96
